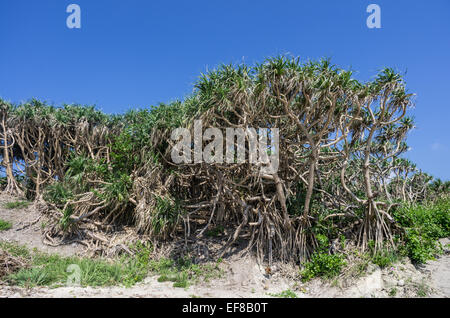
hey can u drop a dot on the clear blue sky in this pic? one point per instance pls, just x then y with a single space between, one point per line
131 54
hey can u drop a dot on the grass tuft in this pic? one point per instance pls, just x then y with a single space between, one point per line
4 225
16 205
54 270
285 294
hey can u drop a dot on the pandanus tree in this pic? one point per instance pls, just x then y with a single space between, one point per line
312 104
8 143
384 103
339 148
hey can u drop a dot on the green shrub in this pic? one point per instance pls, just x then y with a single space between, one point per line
323 264
57 193
17 205
383 257
423 224
418 246
165 215
393 292
65 220
432 219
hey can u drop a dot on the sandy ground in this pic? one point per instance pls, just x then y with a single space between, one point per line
31 235
243 277
439 270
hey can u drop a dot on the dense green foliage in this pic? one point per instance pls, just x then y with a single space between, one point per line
423 225
322 263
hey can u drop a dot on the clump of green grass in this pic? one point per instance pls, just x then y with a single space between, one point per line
52 270
16 249
384 257
16 205
285 294
4 225
183 272
393 292
422 289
